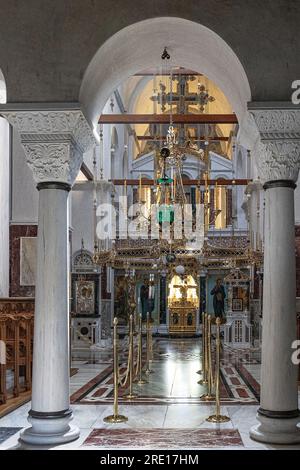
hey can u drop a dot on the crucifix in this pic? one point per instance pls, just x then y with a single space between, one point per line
182 98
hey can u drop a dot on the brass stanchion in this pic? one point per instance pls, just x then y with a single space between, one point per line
148 343
217 417
208 396
201 371
131 395
204 381
140 380
115 417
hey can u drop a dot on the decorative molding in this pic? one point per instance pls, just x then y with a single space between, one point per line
278 160
280 184
53 141
55 162
277 151
53 123
83 259
277 123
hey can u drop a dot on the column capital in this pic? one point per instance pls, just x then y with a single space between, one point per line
277 151
54 142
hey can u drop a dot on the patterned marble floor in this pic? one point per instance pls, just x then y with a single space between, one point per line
174 378
171 398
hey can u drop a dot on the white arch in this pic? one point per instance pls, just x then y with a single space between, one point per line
140 45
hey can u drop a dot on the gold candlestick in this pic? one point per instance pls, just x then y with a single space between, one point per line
217 417
140 380
115 417
208 396
131 395
201 371
204 347
148 340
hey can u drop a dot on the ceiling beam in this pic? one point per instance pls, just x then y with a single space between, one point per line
175 72
167 118
201 138
185 182
86 171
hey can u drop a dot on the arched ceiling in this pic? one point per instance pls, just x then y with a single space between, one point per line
190 45
44 52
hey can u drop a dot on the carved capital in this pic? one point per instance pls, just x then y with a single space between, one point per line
55 162
277 151
54 142
278 160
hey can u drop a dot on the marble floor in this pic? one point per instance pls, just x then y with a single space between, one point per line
168 410
174 378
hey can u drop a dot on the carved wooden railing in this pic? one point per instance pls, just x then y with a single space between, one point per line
16 335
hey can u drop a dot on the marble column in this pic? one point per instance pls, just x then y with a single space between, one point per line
54 143
278 160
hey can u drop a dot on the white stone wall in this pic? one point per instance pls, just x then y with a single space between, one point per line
4 208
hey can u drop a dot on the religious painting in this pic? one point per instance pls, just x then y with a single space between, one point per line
85 297
237 305
216 295
121 299
147 299
219 295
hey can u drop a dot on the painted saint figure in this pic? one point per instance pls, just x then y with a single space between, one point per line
144 296
218 301
147 299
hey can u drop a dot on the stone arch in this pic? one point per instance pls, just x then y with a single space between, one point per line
190 44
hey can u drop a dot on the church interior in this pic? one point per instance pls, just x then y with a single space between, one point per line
150 236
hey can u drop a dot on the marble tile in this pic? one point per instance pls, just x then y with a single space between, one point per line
187 416
243 417
28 259
7 432
138 417
85 416
168 438
17 418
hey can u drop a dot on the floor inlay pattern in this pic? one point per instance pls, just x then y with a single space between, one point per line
164 438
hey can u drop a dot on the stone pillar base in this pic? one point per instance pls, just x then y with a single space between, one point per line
276 430
51 430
